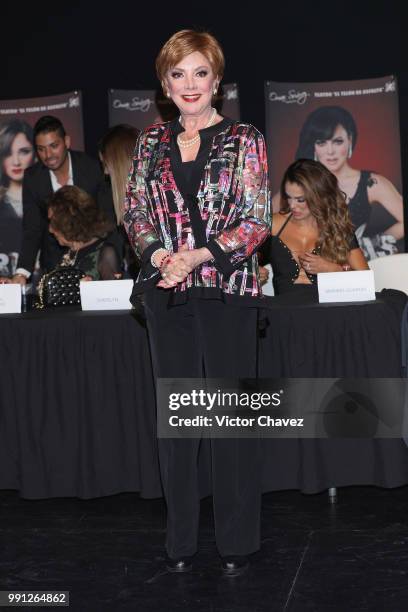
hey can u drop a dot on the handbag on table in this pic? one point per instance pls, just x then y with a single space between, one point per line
60 287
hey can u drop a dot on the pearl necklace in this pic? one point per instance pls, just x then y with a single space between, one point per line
190 143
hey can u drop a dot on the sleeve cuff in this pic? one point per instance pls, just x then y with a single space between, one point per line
23 272
147 253
222 260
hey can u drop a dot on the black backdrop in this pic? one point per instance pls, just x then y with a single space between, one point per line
50 47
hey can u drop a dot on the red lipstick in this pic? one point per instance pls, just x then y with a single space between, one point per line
191 98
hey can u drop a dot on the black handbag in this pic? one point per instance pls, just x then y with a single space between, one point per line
60 287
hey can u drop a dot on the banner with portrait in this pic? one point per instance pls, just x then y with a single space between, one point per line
142 108
352 127
17 119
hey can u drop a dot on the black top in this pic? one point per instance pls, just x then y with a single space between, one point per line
359 207
98 260
285 267
188 174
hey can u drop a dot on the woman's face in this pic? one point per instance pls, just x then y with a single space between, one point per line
191 84
333 153
295 197
21 157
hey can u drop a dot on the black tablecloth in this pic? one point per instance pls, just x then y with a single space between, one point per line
360 340
77 409
77 414
309 339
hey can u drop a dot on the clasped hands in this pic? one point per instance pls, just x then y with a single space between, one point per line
179 265
313 264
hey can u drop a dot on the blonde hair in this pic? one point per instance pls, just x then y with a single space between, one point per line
183 43
116 149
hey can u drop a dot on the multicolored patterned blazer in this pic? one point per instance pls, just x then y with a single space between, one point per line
229 213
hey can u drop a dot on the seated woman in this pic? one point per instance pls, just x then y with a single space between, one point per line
77 223
312 233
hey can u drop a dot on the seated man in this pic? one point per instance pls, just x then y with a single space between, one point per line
57 166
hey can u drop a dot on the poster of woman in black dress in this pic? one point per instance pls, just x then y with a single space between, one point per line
353 130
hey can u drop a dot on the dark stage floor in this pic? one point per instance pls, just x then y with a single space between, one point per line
107 552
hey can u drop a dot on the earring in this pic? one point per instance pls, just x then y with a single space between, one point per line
168 94
215 90
350 151
315 157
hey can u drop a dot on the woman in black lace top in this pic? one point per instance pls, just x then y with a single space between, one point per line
77 223
312 232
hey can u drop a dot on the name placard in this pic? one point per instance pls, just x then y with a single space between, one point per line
10 298
106 295
356 286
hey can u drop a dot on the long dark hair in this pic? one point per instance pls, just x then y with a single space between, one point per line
326 203
321 125
47 124
8 132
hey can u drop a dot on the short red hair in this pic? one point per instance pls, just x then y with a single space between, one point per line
183 43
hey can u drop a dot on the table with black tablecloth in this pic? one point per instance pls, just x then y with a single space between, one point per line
77 405
359 340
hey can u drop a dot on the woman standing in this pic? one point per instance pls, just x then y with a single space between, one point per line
197 210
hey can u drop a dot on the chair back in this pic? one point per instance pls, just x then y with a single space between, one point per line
390 272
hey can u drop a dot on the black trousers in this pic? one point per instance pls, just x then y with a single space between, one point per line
221 340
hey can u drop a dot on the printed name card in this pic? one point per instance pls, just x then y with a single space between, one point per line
106 295
357 286
10 298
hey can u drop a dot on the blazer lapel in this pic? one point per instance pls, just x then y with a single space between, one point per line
44 186
76 169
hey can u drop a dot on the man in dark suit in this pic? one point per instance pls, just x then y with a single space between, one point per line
57 166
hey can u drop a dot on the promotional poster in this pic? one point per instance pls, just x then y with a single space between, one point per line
351 127
17 119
